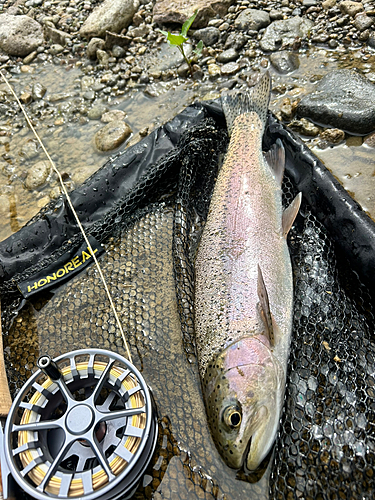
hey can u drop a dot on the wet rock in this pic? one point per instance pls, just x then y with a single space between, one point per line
363 22
371 41
96 112
19 35
328 4
284 61
113 115
112 135
230 69
209 36
28 59
56 36
284 33
89 95
370 141
118 51
351 8
343 99
178 11
103 57
276 15
111 15
29 150
26 97
183 70
304 127
227 56
56 49
333 135
288 109
37 175
94 45
235 41
252 19
213 70
38 91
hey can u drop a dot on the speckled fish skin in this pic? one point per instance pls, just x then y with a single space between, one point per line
242 373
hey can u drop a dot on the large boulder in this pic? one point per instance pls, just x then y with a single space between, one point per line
283 33
111 15
179 11
343 99
19 35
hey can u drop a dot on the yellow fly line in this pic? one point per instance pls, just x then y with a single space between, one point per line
117 465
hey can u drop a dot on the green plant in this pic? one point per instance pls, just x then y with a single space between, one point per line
179 40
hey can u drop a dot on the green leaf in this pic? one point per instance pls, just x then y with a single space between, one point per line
165 33
198 48
188 23
176 40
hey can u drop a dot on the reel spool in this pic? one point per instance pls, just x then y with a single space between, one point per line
83 426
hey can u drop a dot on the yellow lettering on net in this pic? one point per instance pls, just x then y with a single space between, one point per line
85 256
60 273
94 251
42 282
51 278
76 262
34 287
68 267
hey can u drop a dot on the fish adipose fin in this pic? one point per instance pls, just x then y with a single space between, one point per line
290 214
246 100
275 158
265 308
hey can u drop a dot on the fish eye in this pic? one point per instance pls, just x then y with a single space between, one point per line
232 417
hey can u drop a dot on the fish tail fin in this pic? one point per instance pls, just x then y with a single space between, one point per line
246 100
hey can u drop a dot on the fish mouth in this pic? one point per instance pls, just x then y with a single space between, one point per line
245 455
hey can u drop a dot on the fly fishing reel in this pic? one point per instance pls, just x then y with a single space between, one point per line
83 425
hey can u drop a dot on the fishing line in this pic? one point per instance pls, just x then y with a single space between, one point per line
74 213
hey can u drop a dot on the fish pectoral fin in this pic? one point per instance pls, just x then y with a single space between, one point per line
275 158
264 308
290 214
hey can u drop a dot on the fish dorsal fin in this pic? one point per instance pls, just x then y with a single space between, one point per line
275 158
245 100
290 214
265 308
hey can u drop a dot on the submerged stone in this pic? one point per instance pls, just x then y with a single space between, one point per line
284 61
343 99
37 175
112 135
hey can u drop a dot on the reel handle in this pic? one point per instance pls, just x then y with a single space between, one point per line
46 364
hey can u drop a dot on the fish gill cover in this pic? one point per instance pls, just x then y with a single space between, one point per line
147 207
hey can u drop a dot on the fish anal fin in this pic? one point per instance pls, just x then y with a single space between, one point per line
264 308
275 158
290 214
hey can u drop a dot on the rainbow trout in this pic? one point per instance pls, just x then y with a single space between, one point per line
244 287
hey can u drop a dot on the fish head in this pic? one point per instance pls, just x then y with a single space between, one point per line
243 390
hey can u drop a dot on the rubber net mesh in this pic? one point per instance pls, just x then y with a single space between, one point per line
325 446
